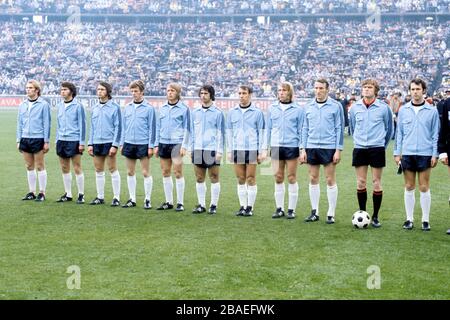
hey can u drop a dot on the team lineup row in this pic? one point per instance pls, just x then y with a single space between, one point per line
290 134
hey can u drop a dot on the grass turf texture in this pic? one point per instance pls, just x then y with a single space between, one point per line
138 254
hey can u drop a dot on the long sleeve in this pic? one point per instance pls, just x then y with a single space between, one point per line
435 127
152 126
352 121
389 123
117 123
262 137
340 122
82 123
186 129
399 135
47 122
19 126
221 126
229 132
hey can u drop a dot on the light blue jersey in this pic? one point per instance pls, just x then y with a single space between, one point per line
139 124
371 127
34 120
207 129
106 124
71 122
245 129
173 125
284 125
417 134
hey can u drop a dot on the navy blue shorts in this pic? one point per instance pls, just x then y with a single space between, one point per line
284 153
416 163
319 156
374 157
169 151
31 145
245 156
135 151
67 149
102 149
204 158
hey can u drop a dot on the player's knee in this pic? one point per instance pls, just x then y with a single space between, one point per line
292 178
424 187
279 178
251 180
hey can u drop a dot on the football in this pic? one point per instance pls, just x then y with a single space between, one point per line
360 219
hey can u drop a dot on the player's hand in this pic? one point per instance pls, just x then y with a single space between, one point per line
46 147
434 162
150 152
81 148
112 151
262 157
182 152
155 152
302 157
397 159
337 157
91 151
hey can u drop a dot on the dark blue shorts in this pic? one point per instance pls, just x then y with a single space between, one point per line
204 158
319 156
169 151
135 151
416 163
67 149
102 149
31 145
245 156
284 153
374 157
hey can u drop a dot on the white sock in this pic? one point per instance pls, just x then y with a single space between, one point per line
314 196
80 183
42 177
180 190
332 194
100 183
67 180
425 203
242 194
410 201
31 177
279 195
148 187
215 193
168 189
293 195
131 181
115 179
251 192
201 193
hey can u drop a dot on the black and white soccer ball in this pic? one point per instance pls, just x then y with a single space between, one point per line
360 219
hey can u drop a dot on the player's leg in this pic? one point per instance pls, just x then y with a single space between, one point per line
166 168
314 192
115 179
41 173
377 195
409 197
332 190
148 182
213 173
292 166
179 177
67 179
79 177
361 186
252 189
278 168
425 197
99 165
31 175
242 191
200 174
131 182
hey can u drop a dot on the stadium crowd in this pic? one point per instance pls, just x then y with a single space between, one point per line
222 7
222 54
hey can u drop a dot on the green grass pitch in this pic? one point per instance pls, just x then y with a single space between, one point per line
138 254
